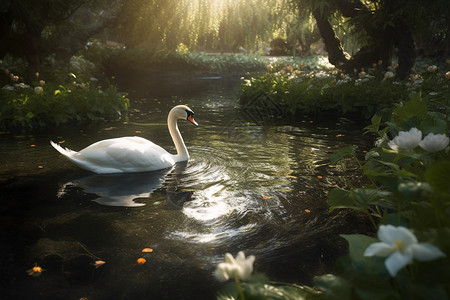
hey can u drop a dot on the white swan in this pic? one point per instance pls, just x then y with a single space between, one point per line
132 154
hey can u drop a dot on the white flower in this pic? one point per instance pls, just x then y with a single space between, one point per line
240 268
379 142
22 85
434 142
406 140
389 74
432 69
38 90
8 88
400 246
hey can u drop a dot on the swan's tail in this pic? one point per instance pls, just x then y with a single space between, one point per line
63 151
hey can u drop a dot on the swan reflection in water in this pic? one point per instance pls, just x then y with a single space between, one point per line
123 189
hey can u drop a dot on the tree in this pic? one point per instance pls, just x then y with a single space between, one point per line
382 25
204 24
35 30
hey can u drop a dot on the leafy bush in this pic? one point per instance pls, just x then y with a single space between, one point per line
297 87
25 107
409 188
144 62
64 97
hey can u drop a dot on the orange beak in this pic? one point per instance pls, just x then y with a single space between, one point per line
191 119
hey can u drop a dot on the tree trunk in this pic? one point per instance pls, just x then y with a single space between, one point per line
381 41
406 49
336 55
32 45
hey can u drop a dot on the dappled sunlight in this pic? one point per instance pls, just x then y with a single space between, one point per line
209 204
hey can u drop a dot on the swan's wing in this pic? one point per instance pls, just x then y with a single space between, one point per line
127 154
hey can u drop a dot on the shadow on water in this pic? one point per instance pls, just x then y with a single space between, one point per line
255 182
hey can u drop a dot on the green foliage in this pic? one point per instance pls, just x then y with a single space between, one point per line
139 61
22 107
407 188
207 25
260 287
306 87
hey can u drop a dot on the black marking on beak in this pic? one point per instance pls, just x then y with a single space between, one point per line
190 117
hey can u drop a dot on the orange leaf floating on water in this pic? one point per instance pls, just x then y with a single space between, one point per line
141 261
307 211
331 166
319 177
364 151
138 131
61 142
290 176
32 146
35 271
98 263
40 167
340 135
266 197
147 250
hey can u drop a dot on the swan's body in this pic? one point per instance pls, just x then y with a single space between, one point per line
132 154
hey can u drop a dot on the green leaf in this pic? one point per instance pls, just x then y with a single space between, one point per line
367 197
269 291
413 188
339 198
57 92
414 108
375 126
438 177
358 244
359 199
334 287
337 156
435 123
372 154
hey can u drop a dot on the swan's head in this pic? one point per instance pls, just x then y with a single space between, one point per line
183 112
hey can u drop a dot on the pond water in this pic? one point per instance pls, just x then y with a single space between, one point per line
257 181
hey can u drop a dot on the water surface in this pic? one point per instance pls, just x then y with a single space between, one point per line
256 181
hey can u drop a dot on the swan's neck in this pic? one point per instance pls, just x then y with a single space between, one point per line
182 152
